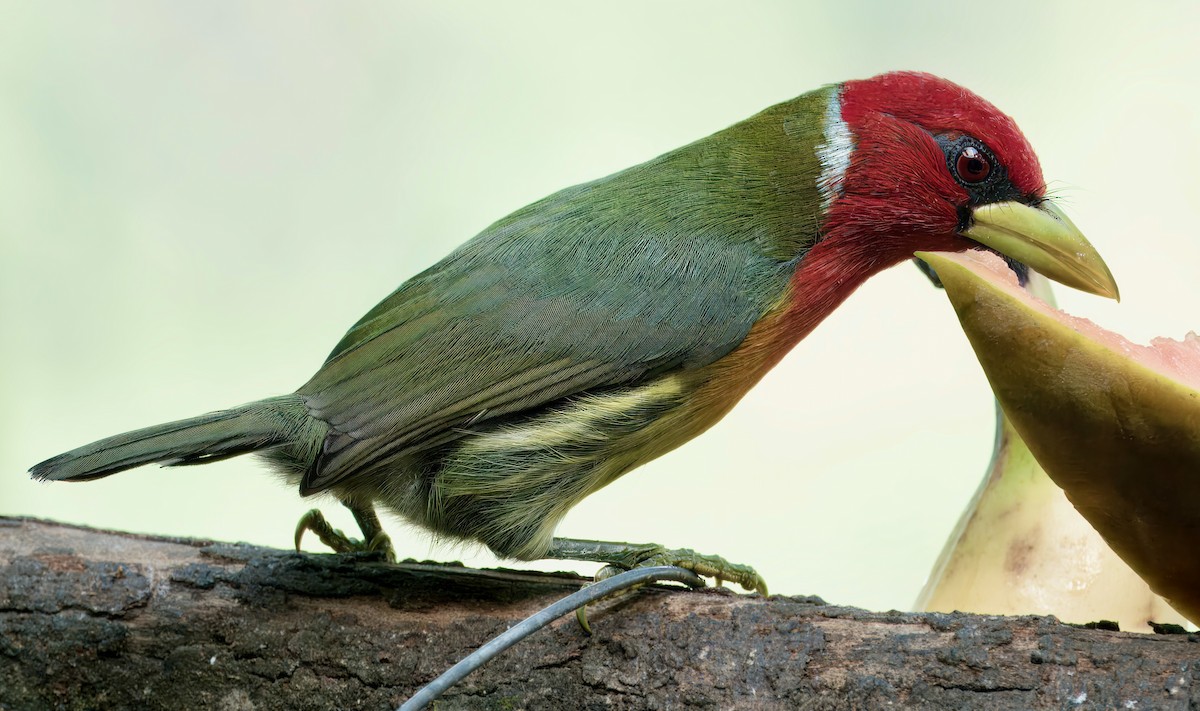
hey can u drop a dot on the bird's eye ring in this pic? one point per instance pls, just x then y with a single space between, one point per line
972 165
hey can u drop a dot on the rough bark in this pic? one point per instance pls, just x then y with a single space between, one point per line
98 619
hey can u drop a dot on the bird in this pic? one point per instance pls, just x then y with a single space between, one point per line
603 326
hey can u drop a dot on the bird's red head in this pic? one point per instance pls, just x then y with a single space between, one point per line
911 162
920 152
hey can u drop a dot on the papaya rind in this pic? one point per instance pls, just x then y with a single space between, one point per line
1121 439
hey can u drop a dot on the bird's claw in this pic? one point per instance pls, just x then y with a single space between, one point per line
711 566
315 521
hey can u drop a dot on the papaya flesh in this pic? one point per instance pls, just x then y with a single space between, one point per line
1114 424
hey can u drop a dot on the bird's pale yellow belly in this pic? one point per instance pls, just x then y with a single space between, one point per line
518 480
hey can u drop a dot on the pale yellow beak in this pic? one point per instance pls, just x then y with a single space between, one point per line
1046 241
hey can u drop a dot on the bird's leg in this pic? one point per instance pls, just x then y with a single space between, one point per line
627 556
372 530
374 540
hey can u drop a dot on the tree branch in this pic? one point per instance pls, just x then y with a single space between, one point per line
101 619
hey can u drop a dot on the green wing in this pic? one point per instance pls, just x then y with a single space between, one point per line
658 268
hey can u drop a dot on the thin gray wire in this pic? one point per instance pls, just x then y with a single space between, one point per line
538 620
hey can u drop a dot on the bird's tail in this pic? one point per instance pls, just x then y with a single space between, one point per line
266 424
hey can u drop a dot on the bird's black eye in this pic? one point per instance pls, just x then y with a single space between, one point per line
972 165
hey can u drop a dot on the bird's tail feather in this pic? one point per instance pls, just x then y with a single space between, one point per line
197 440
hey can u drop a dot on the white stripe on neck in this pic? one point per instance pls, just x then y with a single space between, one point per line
834 152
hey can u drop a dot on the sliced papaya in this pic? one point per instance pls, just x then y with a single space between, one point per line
1114 424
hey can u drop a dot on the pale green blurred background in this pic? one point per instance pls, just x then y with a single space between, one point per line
197 199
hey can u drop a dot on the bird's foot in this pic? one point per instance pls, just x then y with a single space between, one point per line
709 566
314 521
626 556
